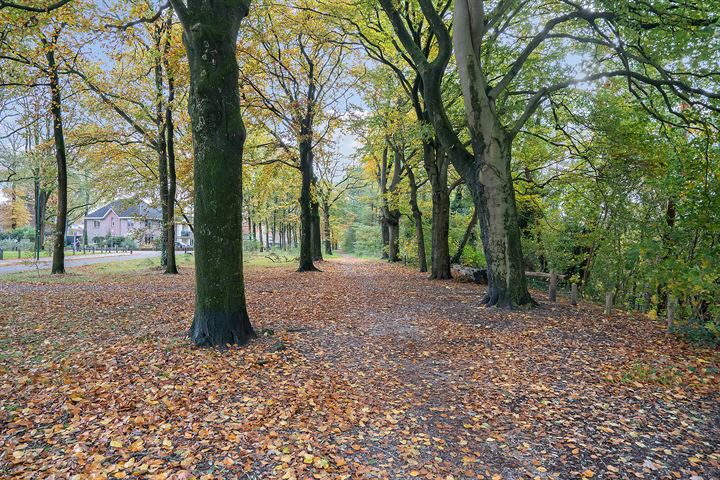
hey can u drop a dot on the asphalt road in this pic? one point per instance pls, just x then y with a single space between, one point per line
8 266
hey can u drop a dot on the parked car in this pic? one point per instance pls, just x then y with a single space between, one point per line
181 245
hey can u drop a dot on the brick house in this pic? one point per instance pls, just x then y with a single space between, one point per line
123 218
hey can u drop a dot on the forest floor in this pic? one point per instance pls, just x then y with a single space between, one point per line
371 371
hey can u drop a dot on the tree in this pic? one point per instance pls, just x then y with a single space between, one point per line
13 213
294 78
210 35
42 58
153 127
500 97
334 180
365 21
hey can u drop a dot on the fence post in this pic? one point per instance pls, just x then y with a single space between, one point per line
671 312
19 253
573 294
646 301
608 303
405 259
552 287
1 253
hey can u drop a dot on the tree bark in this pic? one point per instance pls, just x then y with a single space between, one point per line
315 232
417 217
167 249
488 174
306 213
436 165
494 197
58 261
210 35
171 266
326 227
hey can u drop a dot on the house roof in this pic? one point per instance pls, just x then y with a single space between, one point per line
126 209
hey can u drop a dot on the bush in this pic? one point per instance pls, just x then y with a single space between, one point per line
24 233
703 332
129 243
12 244
115 241
250 245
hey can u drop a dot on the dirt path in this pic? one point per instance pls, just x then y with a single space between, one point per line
372 371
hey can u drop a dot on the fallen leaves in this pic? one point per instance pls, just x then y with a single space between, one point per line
383 374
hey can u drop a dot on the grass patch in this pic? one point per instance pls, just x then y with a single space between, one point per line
122 267
640 372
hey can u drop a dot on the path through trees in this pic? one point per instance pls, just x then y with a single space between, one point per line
366 369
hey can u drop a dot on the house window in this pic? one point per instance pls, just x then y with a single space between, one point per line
130 223
147 223
96 223
113 222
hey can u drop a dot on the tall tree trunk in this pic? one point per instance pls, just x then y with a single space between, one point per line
417 217
316 233
171 265
326 226
436 165
306 213
488 174
267 235
58 261
394 236
385 234
466 237
210 35
393 211
274 227
161 148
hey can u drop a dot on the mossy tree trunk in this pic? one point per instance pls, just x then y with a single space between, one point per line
315 236
488 174
210 36
417 217
436 166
